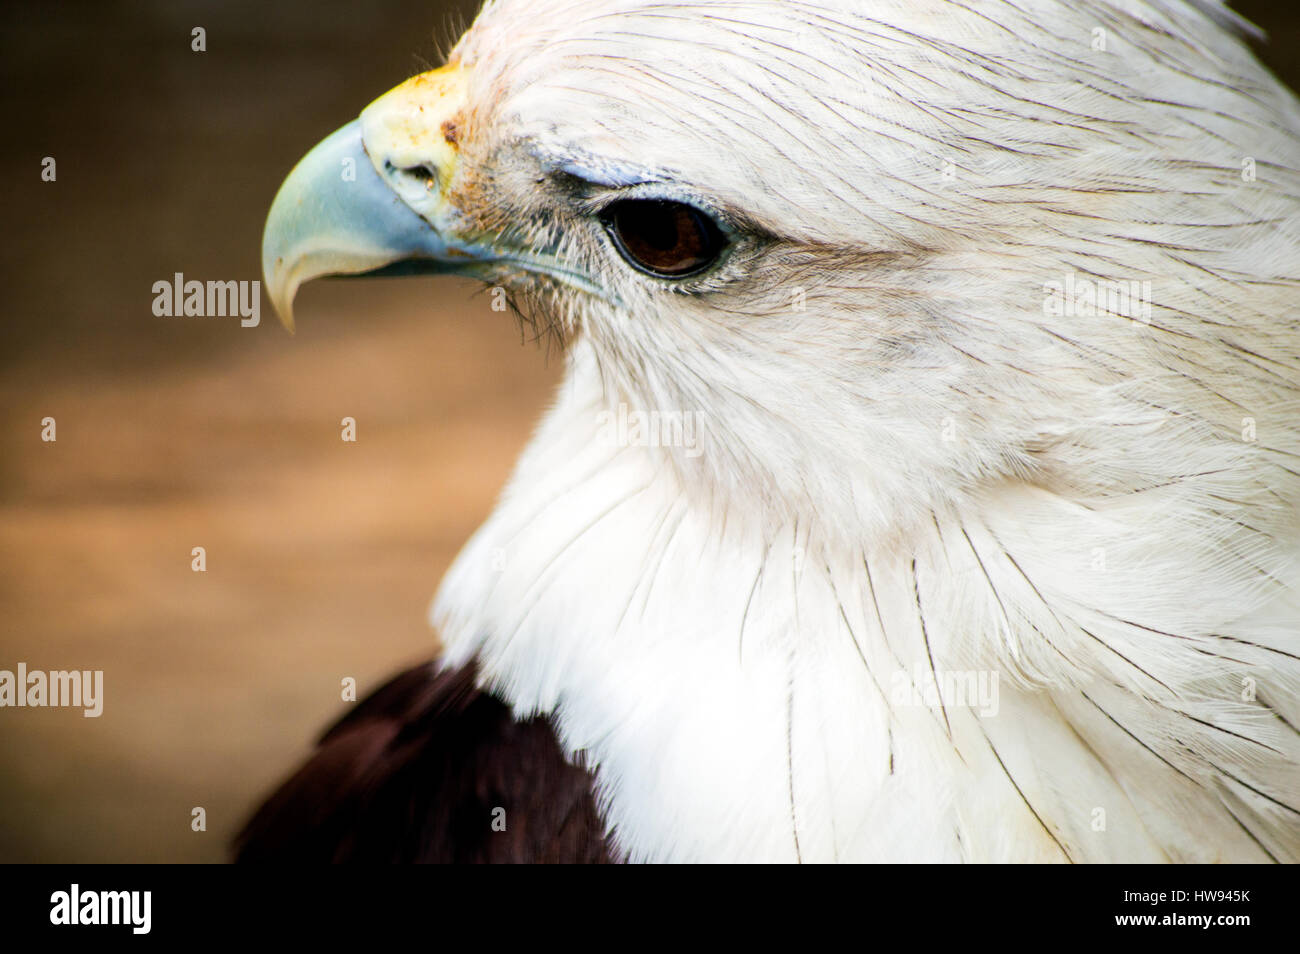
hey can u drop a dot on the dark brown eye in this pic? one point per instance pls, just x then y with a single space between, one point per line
664 238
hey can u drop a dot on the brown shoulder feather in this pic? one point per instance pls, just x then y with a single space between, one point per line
416 773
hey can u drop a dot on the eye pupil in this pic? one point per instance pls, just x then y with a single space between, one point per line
664 238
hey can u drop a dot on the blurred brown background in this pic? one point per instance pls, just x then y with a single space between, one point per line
175 433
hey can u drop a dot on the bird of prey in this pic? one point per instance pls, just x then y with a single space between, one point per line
924 483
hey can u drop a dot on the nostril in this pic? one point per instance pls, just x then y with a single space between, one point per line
421 173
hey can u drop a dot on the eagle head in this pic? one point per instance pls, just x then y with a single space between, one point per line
841 235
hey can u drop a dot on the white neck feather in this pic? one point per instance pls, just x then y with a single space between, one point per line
743 695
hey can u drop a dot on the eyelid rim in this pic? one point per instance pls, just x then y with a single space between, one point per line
602 175
594 182
595 205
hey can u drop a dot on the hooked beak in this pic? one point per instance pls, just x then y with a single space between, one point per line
374 195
